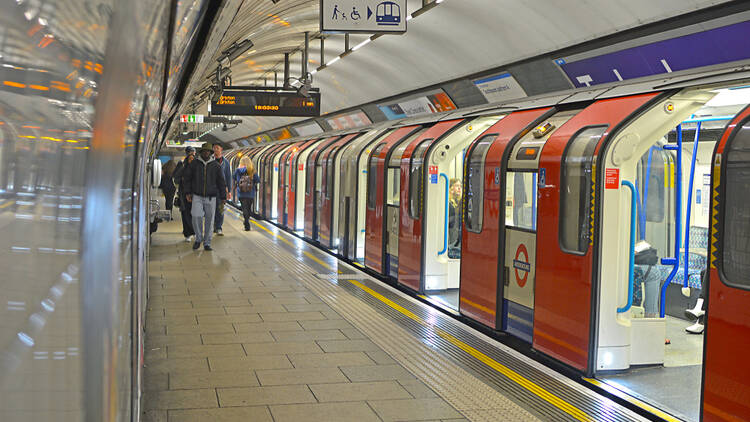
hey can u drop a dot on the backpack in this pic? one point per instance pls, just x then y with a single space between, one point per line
246 183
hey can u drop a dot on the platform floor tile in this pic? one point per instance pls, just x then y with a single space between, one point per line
232 335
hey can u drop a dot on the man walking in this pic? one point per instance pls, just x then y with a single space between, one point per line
226 172
182 191
205 186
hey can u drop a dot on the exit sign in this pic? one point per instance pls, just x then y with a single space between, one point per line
191 118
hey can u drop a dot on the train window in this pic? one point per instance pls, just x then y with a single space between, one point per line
393 190
736 223
416 178
372 176
310 173
293 173
651 175
576 189
330 165
520 200
475 184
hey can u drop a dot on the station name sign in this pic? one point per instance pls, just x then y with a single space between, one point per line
266 103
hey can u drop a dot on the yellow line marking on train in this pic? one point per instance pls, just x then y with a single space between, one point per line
630 399
7 204
509 373
477 306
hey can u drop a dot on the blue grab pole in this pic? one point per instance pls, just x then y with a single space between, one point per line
445 231
689 203
631 262
674 261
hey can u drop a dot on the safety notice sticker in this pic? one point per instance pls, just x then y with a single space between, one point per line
612 178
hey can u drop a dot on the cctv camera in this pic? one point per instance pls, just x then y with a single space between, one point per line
224 127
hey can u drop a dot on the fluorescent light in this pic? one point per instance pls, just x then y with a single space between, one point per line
408 18
334 60
362 44
314 71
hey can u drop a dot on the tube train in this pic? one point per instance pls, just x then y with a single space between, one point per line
556 193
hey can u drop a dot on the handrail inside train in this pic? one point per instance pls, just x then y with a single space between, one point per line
674 261
631 259
447 211
689 207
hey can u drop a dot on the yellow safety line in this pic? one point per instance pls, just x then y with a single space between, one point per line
7 204
512 375
509 373
632 400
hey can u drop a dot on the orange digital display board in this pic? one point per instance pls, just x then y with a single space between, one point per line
266 103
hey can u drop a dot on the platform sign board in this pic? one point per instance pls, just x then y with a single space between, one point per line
195 143
501 87
349 120
308 129
369 16
266 103
191 118
433 102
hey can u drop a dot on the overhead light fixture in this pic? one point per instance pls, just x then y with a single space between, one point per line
235 50
362 44
334 60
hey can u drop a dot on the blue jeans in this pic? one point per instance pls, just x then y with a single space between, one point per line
203 209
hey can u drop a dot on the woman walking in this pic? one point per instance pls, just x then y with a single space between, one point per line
167 185
246 180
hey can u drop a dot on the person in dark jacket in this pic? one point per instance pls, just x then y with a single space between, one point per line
167 185
185 206
245 179
226 171
205 186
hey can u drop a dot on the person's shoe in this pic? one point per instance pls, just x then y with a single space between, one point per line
696 328
697 311
207 248
188 239
196 245
219 232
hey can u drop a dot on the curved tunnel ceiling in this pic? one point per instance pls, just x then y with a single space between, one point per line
454 39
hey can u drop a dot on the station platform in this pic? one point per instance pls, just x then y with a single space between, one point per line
267 328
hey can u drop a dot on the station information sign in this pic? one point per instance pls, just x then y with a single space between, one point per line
368 16
191 118
266 103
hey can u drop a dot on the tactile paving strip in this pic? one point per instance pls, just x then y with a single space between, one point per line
421 342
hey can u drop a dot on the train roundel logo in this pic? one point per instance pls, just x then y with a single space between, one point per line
521 265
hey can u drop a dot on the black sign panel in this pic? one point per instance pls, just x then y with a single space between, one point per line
266 103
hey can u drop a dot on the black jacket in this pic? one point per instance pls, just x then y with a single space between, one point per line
204 178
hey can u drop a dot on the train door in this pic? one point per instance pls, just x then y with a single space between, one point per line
311 180
483 226
324 178
296 201
644 308
563 326
283 182
361 161
378 197
276 179
726 371
345 216
328 191
258 164
519 248
267 181
411 192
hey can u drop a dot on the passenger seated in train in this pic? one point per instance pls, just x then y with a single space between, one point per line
698 312
454 220
647 280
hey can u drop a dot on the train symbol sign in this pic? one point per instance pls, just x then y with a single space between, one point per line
521 263
368 16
